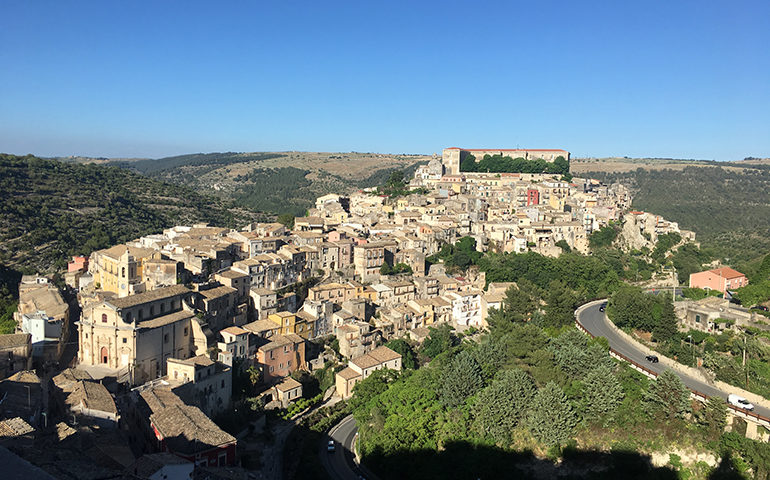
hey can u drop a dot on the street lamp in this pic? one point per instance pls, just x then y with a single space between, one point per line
692 349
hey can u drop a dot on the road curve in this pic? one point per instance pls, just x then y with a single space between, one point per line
340 464
597 324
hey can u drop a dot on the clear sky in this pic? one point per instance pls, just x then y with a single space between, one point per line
687 79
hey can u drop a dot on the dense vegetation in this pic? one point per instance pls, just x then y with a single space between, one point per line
758 289
275 190
9 294
397 185
729 211
459 256
50 210
281 190
482 409
506 164
153 166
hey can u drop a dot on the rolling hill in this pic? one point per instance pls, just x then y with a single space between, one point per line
275 182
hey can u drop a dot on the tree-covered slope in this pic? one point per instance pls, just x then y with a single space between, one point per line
277 182
729 210
50 210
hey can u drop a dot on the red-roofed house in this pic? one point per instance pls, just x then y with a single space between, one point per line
719 279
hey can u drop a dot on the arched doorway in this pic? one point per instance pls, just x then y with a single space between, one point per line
103 355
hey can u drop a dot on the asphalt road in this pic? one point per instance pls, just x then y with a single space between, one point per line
339 463
597 324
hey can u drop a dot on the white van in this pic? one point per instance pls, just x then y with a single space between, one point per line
740 402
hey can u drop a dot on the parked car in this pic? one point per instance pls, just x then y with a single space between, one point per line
761 307
740 402
330 446
603 307
652 358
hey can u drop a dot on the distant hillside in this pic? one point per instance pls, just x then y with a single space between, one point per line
581 166
728 207
152 166
276 182
50 210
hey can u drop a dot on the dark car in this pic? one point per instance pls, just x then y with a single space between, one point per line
652 358
603 306
760 307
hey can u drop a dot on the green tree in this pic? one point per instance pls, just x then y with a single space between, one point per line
575 356
666 328
627 305
462 378
520 303
440 339
603 237
370 387
385 269
286 219
502 405
668 396
468 164
560 304
602 394
402 347
714 415
564 246
551 418
489 356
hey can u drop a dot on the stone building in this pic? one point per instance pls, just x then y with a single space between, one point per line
363 366
137 334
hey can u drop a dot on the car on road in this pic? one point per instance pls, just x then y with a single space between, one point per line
740 402
603 307
760 307
652 358
330 446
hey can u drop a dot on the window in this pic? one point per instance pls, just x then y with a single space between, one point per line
123 272
125 340
165 338
280 365
271 369
104 318
288 364
697 318
152 310
223 384
185 331
162 307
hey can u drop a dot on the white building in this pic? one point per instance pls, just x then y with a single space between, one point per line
466 308
45 331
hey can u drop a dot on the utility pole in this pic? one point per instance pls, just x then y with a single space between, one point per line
744 361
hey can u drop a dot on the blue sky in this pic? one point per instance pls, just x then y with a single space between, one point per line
656 78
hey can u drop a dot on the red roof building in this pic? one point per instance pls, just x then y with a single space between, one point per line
719 279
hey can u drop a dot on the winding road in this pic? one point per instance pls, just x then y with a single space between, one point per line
597 324
340 463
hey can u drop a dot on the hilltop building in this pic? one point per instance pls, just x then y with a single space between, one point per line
451 157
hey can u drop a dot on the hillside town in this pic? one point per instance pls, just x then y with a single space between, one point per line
142 350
